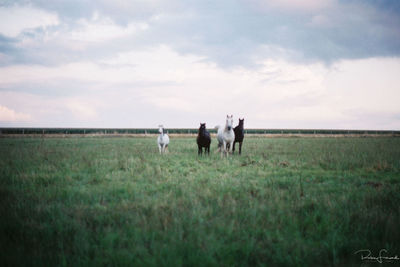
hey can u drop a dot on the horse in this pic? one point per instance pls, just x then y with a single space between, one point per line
162 140
239 135
226 136
203 140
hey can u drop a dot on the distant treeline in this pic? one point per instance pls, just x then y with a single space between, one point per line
180 131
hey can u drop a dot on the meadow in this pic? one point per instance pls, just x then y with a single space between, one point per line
117 202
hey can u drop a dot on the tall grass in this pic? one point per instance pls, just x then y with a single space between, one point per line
116 201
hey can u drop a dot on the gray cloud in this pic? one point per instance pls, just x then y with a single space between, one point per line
229 33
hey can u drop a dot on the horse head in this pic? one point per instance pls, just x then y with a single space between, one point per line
229 122
161 129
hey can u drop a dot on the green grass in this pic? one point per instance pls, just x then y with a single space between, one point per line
117 202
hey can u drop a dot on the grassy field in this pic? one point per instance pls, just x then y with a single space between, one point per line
117 202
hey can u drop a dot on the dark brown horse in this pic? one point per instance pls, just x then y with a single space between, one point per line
203 140
239 135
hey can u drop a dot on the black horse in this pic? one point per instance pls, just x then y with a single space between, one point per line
239 135
203 139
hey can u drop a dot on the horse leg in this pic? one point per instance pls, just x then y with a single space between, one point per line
223 151
208 149
159 148
240 148
233 149
165 148
200 150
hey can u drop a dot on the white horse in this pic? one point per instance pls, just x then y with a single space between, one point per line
162 140
226 136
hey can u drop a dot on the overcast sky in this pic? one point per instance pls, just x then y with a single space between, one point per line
277 63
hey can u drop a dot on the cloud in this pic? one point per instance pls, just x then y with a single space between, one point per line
321 21
81 110
228 33
170 102
9 115
16 19
294 5
155 66
34 110
181 88
100 29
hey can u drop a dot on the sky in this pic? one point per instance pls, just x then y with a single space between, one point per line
310 64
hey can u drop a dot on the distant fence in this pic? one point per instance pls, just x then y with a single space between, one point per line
144 131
